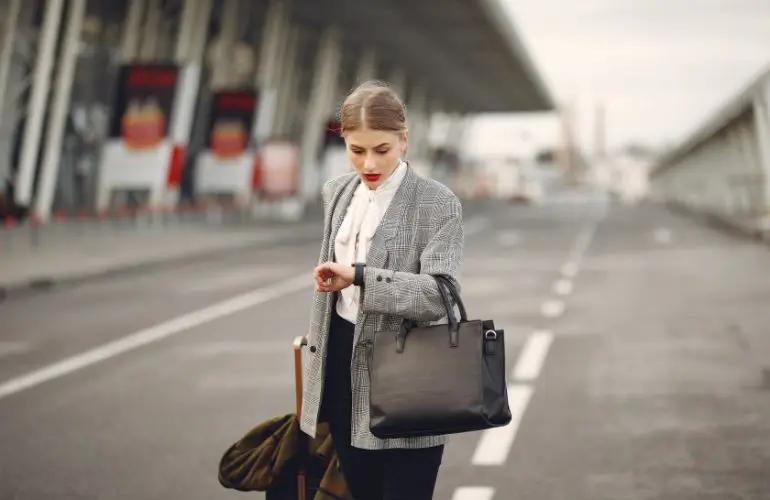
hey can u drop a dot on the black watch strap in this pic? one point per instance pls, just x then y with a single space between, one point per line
358 276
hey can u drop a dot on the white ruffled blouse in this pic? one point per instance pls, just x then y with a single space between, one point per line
354 237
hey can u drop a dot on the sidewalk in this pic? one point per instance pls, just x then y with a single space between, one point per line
68 252
755 227
33 259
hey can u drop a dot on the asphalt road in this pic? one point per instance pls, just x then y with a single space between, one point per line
635 338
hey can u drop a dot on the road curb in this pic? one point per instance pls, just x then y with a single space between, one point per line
42 284
721 222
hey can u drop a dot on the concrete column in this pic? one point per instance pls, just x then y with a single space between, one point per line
397 80
288 79
748 145
148 45
367 67
295 103
318 110
132 30
225 43
9 27
762 127
272 66
418 121
59 109
726 167
41 84
189 52
743 168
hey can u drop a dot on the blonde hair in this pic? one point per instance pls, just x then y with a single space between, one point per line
373 105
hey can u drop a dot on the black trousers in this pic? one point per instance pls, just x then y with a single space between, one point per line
395 474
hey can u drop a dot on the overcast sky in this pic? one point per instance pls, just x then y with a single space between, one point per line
661 66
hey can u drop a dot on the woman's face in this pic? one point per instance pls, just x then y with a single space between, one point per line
375 154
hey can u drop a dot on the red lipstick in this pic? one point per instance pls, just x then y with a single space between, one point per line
372 177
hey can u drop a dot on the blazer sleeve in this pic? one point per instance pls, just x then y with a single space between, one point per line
416 296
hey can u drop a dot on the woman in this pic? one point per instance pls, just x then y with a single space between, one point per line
386 231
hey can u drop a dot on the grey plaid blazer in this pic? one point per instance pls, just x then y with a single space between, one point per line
420 234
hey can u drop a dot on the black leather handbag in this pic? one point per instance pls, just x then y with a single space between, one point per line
438 379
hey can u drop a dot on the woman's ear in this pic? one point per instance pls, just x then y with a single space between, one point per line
404 145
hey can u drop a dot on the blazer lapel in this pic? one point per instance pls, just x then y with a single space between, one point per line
394 219
341 201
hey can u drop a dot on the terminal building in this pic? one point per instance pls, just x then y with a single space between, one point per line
157 103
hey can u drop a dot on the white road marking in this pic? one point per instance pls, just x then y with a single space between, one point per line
571 268
562 287
154 334
663 235
552 308
532 356
494 445
582 242
474 493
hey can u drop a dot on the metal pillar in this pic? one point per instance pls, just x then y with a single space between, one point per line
367 66
37 103
148 45
189 50
762 126
225 43
59 109
317 113
398 81
748 147
289 77
272 64
9 40
417 121
132 30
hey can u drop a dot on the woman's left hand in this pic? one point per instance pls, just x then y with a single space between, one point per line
333 277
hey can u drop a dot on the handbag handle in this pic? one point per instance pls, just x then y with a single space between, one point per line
448 285
448 293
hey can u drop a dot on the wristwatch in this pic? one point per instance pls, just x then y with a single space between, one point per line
358 276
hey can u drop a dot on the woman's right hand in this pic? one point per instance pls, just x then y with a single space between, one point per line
332 277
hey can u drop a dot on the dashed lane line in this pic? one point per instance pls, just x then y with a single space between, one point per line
495 444
474 493
532 357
